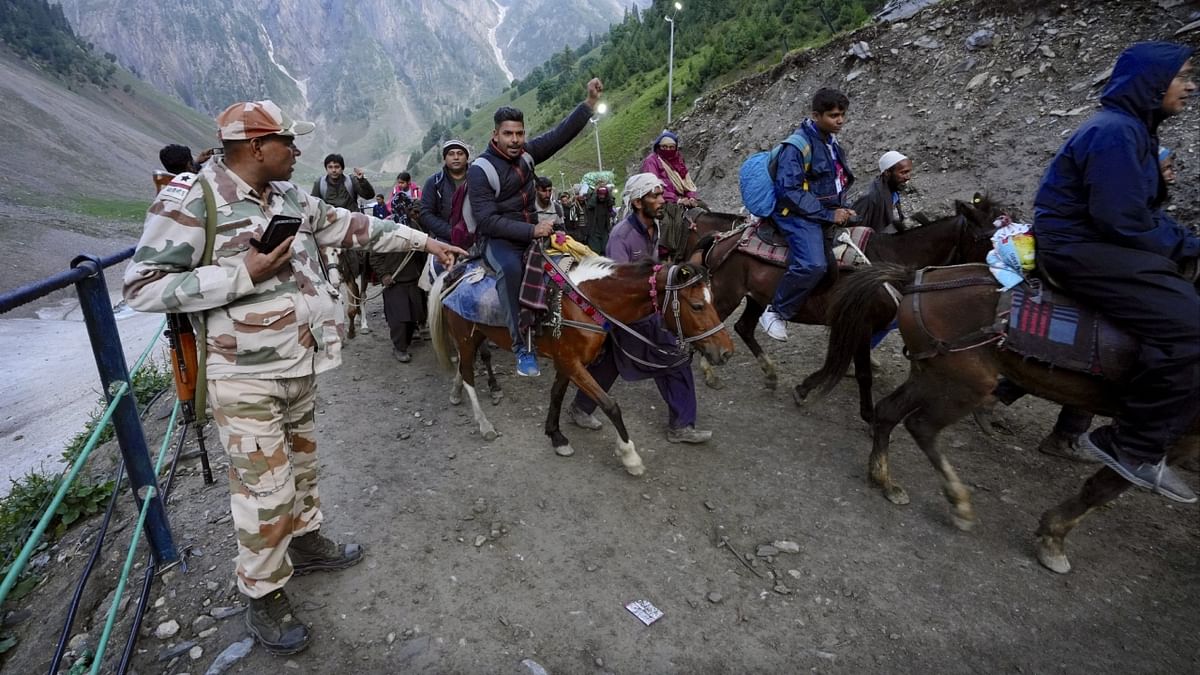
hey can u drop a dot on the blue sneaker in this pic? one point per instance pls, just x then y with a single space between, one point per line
527 364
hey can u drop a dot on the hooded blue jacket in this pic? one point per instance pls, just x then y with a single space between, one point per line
1104 185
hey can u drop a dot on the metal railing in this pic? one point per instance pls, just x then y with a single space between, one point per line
86 275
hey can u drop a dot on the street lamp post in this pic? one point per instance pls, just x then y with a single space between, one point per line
671 62
600 110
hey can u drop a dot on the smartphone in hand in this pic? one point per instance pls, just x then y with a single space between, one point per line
279 229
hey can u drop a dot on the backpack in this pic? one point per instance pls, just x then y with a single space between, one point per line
756 177
346 183
462 220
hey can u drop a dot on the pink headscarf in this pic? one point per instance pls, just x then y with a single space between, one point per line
672 156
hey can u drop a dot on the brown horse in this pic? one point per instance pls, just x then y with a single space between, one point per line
621 294
962 237
704 223
947 323
354 270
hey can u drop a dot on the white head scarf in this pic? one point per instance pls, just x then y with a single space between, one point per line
639 185
890 158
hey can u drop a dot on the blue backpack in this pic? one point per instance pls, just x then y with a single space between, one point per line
756 177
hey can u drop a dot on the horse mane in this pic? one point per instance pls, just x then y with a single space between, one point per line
592 268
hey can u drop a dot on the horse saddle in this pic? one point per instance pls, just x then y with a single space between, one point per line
763 240
473 294
850 245
759 239
1043 323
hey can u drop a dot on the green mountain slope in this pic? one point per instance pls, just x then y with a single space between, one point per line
715 42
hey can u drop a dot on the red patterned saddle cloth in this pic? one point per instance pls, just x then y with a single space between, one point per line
1044 324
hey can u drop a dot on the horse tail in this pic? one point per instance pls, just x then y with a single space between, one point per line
854 314
439 328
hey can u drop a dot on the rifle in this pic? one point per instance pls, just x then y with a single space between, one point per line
184 363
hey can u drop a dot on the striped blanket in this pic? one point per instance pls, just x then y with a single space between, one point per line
1046 325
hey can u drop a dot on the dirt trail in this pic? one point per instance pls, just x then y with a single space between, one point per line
567 542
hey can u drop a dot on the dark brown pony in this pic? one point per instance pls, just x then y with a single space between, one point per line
962 237
621 292
705 223
963 365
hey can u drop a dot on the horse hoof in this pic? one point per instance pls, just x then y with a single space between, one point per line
896 495
497 396
636 470
799 396
455 400
714 382
564 450
1053 558
964 524
490 435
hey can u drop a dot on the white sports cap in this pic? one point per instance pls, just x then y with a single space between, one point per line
890 158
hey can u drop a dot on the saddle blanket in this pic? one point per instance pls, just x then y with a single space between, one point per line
475 298
762 240
1046 325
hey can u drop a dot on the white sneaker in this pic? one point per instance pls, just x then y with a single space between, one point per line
774 324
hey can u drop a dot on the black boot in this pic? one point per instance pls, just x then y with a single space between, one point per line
272 623
314 552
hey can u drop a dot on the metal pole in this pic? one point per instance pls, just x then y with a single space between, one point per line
670 70
599 162
110 361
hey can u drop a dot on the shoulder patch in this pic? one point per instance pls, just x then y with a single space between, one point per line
178 188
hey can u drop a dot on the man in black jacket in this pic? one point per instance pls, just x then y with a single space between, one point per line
506 221
338 189
438 194
879 207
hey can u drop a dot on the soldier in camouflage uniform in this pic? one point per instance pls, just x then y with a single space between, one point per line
272 325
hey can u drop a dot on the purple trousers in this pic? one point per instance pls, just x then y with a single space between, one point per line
676 385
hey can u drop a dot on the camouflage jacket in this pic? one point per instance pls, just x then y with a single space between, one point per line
290 325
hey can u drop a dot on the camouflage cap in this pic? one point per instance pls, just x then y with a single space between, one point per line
252 119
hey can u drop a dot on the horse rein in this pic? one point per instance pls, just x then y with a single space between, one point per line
670 298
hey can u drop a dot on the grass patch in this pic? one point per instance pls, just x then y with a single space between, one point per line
111 209
31 495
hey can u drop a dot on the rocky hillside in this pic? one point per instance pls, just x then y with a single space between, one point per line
75 170
371 73
979 93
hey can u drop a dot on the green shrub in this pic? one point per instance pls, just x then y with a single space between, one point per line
147 383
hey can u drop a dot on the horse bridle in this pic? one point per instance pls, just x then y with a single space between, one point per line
963 226
671 298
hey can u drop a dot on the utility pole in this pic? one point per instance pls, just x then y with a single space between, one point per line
671 62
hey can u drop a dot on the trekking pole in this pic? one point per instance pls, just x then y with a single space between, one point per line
183 363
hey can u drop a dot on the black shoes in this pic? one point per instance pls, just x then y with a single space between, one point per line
271 622
314 552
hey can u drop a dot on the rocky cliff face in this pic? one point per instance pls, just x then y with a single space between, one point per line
980 94
371 73
533 30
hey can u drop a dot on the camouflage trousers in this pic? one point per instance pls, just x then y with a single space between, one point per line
267 429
